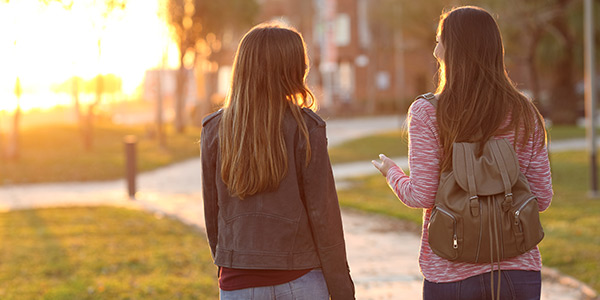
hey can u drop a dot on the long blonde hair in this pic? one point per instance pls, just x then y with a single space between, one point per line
269 74
475 93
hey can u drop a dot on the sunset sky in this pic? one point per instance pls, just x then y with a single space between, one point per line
54 44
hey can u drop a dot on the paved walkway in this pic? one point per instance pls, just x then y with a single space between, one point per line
382 252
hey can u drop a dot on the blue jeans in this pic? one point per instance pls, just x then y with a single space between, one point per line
518 285
311 286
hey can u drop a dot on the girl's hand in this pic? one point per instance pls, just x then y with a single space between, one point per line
385 164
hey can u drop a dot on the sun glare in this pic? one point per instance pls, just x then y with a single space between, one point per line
47 44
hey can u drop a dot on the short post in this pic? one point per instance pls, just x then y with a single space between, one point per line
130 164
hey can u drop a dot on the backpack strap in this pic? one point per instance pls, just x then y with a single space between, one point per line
508 196
470 174
429 97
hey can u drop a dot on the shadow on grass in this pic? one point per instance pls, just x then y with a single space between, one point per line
102 253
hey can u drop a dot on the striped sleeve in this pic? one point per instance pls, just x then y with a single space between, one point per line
538 171
418 190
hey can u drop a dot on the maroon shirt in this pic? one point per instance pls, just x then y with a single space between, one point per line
236 279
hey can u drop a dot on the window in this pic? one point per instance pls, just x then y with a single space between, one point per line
342 30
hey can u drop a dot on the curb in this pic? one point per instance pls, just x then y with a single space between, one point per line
555 276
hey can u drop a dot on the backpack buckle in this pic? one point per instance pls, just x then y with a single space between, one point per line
474 204
508 201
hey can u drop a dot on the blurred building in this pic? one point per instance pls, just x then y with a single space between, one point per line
357 65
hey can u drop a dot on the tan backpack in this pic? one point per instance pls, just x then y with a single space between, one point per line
484 210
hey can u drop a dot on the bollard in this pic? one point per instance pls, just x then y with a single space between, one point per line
130 164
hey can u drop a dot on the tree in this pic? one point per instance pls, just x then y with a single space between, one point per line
563 100
405 27
110 84
106 9
543 34
13 150
99 18
417 19
198 27
539 34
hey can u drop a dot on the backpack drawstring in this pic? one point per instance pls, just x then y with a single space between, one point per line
494 237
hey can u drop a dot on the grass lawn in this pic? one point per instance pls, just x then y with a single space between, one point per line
561 132
102 253
55 153
392 144
572 241
116 253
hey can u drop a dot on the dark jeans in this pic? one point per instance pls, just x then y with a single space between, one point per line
517 285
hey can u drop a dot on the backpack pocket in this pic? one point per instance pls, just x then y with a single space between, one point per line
445 233
527 226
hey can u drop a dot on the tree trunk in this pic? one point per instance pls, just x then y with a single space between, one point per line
203 104
160 132
75 95
78 114
88 128
180 96
530 59
13 150
209 90
564 101
1 142
13 144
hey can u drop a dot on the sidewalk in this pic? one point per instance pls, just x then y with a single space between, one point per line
382 254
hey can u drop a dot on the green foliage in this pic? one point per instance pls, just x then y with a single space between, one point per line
208 18
417 19
55 153
102 253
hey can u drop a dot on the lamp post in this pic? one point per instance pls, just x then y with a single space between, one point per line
590 93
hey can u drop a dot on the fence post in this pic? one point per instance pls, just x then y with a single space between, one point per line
130 164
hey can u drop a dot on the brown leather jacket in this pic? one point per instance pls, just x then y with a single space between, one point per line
297 226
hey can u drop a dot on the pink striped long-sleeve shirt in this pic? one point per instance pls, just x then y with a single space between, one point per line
418 191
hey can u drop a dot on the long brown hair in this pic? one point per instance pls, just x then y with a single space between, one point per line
269 73
475 93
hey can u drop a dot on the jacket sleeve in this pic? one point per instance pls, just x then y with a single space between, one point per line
209 189
324 216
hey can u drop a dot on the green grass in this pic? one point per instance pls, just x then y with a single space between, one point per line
55 153
572 241
372 194
392 144
102 253
562 132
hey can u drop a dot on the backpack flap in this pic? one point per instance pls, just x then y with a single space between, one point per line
485 172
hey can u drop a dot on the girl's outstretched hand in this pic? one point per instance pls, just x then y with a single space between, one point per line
385 164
